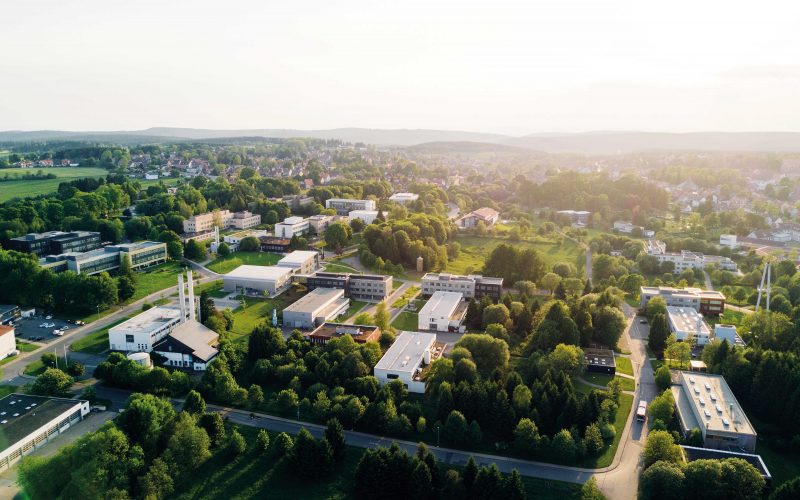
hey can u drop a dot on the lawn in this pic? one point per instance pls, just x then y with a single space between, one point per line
338 267
406 321
26 346
355 306
624 365
255 475
604 460
407 295
155 279
26 188
95 342
257 310
35 368
224 265
5 390
626 384
729 317
474 251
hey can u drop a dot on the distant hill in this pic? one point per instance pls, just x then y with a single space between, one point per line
465 147
452 140
626 142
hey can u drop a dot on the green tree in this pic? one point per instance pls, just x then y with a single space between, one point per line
309 457
663 377
223 249
659 332
568 359
188 446
663 480
194 403
236 443
456 429
283 445
262 440
526 437
382 317
194 250
662 407
334 433
593 439
125 287
255 396
590 490
790 490
337 235
52 383
157 483
249 244
487 352
656 305
660 446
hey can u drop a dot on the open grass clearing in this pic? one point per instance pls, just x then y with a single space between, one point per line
155 279
355 306
407 321
257 310
475 250
604 379
224 265
409 294
624 365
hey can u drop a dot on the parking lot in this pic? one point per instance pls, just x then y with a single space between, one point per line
29 328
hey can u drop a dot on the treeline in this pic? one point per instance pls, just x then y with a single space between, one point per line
402 241
39 175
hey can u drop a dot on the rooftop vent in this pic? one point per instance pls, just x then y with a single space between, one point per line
702 401
691 380
725 422
708 387
708 414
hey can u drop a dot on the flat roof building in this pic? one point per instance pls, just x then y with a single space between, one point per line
56 242
686 323
144 330
316 307
444 312
302 261
142 254
729 333
707 302
274 244
9 314
471 286
258 280
704 401
371 287
404 198
360 333
292 226
693 453
233 240
408 355
600 360
30 422
245 220
368 216
344 206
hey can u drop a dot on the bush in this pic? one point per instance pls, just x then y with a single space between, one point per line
236 443
262 440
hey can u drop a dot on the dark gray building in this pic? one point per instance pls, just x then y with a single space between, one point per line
56 242
375 287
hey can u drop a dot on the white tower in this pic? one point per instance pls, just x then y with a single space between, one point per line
192 306
182 297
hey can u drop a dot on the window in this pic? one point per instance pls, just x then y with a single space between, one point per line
129 338
392 376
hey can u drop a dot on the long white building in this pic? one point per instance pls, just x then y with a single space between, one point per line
344 206
403 361
686 323
444 312
685 259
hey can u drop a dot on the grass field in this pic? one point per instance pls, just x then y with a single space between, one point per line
624 365
257 310
35 368
626 384
95 342
338 267
406 321
256 475
355 306
25 188
407 295
156 279
26 346
224 265
604 460
474 251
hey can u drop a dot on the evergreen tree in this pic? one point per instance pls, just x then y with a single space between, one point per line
659 331
194 403
513 489
469 474
334 433
262 440
474 316
587 288
560 293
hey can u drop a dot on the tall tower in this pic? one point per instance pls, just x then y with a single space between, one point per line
182 297
192 306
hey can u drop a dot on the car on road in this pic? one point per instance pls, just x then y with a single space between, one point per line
641 411
58 333
64 328
643 321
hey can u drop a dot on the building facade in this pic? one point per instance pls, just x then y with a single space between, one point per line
315 308
292 226
404 360
687 324
302 261
245 220
360 333
444 312
56 242
143 331
488 216
706 302
274 244
258 280
344 206
142 254
207 221
370 287
471 286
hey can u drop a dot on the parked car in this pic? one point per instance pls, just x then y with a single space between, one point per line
49 317
64 328
58 333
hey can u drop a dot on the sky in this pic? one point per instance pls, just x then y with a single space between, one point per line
512 67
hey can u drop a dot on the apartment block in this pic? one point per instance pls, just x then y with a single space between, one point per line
292 226
470 286
245 220
685 259
207 221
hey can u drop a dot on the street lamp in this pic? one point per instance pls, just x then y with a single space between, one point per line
437 436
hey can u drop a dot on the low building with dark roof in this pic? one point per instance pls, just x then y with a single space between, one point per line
190 345
29 422
600 361
274 244
328 330
692 453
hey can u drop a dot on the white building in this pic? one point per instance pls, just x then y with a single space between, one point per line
245 220
319 223
368 216
404 198
207 221
30 422
404 359
628 228
315 308
729 333
302 261
728 240
258 280
686 323
142 331
704 301
444 312
292 226
686 259
8 342
344 206
233 240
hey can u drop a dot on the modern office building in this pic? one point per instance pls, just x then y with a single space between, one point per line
360 333
302 261
258 280
370 287
344 206
30 422
144 330
404 198
470 286
488 216
191 345
319 223
405 359
444 312
56 242
687 260
686 323
207 221
704 401
729 333
315 308
706 302
245 220
142 254
292 226
274 244
368 216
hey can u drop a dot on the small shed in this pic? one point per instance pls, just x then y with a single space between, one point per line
600 361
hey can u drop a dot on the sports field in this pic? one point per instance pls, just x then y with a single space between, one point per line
25 188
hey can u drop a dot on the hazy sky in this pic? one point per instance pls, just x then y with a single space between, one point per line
496 66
